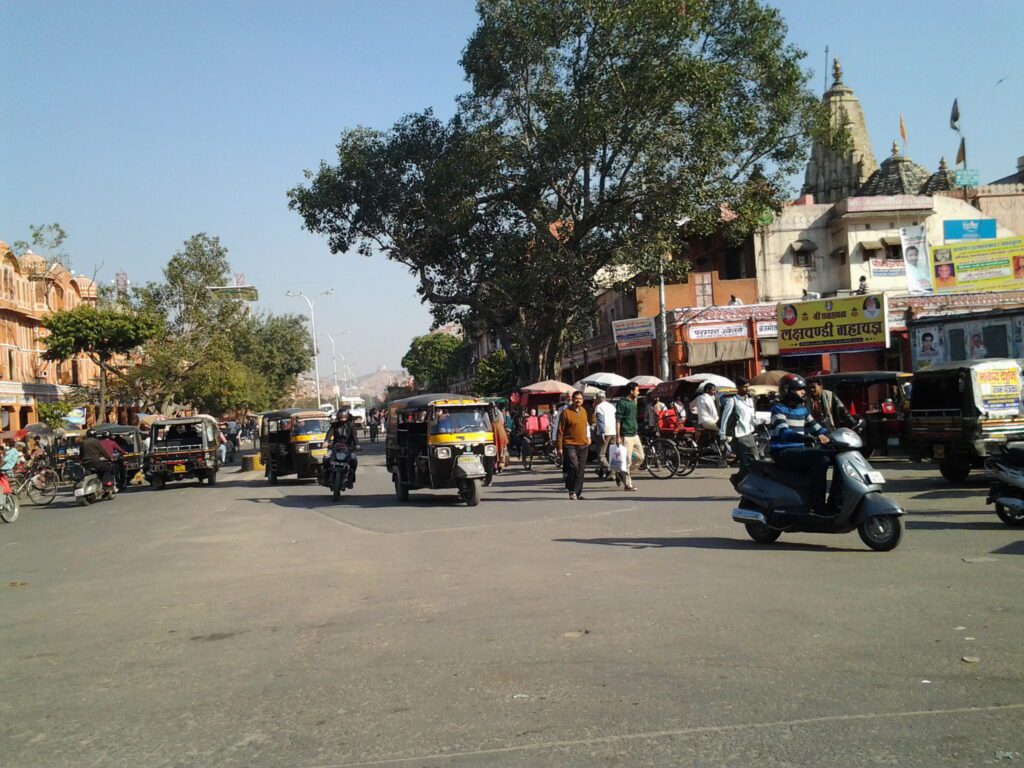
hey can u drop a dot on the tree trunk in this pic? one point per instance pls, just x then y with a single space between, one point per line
102 418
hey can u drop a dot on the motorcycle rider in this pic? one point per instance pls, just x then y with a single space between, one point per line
343 430
792 426
96 457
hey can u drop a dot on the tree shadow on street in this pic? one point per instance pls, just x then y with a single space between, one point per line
704 542
945 525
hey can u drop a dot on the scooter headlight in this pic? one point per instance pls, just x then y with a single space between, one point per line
853 472
444 453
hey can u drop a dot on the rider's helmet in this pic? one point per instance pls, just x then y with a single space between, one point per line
788 386
102 434
91 433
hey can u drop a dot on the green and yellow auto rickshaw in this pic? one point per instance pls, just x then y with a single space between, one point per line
291 443
440 441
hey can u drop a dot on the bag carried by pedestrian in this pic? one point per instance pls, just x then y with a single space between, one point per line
617 459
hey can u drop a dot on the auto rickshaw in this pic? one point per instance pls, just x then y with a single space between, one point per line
440 441
129 439
291 443
878 398
67 444
963 412
182 449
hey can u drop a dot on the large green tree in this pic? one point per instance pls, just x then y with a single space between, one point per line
592 128
102 334
435 360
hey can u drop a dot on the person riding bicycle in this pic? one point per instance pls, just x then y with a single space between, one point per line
797 439
97 457
343 430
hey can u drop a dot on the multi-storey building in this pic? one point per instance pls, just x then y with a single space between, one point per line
30 287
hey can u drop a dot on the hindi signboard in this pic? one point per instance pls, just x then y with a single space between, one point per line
634 333
240 292
767 329
997 387
958 230
888 268
849 324
981 265
716 331
966 177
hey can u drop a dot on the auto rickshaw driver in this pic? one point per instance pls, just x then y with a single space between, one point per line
343 430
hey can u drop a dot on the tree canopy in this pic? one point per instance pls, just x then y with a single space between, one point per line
591 130
435 360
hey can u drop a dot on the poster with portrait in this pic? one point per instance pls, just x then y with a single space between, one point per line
915 259
929 346
848 324
982 265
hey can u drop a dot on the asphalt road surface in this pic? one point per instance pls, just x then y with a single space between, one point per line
250 625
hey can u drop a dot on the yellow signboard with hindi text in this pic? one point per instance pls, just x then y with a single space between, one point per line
978 265
848 324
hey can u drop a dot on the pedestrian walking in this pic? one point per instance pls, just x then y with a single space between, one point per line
627 435
739 422
604 422
572 443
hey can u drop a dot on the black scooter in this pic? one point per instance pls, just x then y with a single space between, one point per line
1007 484
775 500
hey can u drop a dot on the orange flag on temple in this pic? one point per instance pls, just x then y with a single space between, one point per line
903 130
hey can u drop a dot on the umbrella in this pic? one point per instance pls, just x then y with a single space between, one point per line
604 380
769 377
549 386
646 381
711 378
588 389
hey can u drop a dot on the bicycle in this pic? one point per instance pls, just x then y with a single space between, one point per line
661 456
39 486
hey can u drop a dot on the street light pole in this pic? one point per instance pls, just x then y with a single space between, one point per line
312 333
663 342
334 360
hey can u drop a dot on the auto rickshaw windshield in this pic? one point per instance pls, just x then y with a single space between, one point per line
448 420
310 427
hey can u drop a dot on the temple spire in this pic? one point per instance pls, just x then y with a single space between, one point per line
837 72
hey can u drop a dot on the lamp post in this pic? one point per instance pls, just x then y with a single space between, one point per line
312 333
334 361
663 342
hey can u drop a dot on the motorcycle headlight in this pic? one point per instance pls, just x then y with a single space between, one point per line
302 448
490 450
444 453
341 455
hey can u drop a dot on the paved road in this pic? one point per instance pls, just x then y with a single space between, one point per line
249 625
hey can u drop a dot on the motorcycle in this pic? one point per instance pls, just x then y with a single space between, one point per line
337 470
90 488
1006 490
9 508
776 501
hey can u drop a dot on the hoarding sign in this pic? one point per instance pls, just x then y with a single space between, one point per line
240 292
997 388
888 268
716 331
956 230
983 265
915 258
634 333
850 324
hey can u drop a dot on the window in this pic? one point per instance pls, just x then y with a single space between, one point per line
702 289
894 252
995 341
955 339
801 258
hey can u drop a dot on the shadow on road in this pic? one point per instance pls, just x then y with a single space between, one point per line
704 542
1014 548
939 525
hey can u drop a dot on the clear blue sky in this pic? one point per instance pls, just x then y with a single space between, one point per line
136 125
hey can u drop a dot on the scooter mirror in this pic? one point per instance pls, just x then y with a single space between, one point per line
847 438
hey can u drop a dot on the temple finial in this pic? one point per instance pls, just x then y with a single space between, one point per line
942 164
895 149
837 72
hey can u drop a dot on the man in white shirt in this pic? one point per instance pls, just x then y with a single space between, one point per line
604 421
706 405
739 422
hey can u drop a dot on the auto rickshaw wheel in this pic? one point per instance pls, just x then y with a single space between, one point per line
955 473
157 482
401 491
470 492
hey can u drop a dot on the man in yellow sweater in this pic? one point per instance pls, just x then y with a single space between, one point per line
573 444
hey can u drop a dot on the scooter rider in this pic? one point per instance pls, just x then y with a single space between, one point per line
792 425
343 430
95 456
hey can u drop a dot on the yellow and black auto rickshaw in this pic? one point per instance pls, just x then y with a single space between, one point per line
440 441
291 443
129 440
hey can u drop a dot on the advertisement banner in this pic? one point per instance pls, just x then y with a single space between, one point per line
888 268
954 231
716 331
983 265
928 346
851 324
997 388
915 259
635 333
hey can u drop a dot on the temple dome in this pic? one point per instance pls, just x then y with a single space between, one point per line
898 175
943 180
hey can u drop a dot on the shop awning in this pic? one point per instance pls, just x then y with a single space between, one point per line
769 347
705 353
838 253
871 245
891 241
804 245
